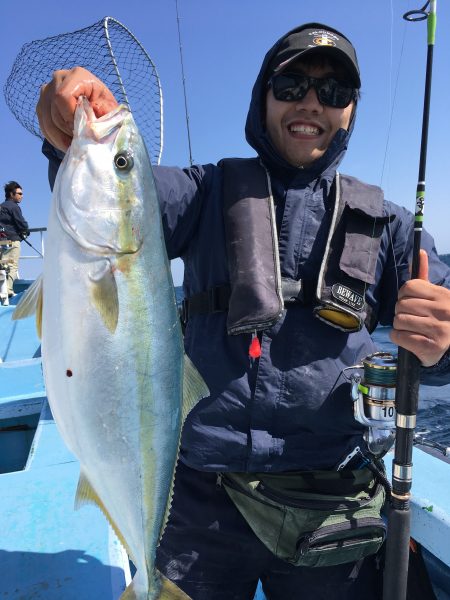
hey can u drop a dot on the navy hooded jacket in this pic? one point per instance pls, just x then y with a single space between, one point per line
12 221
291 408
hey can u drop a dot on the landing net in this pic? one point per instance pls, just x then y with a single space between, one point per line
107 49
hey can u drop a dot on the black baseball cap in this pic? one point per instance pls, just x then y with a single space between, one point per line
315 37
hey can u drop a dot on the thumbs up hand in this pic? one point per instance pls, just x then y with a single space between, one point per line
422 317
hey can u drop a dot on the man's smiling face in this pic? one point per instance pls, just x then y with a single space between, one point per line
302 130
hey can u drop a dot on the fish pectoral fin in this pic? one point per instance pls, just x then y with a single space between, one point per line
31 303
194 388
105 295
87 495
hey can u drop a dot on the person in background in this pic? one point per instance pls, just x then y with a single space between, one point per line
288 268
14 228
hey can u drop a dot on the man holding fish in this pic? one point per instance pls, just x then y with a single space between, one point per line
288 268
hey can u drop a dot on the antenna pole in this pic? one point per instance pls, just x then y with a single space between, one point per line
184 86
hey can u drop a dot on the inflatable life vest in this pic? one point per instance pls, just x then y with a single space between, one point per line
257 293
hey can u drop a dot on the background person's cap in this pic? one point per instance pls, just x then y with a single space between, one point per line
314 37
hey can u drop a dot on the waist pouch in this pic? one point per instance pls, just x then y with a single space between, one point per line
312 519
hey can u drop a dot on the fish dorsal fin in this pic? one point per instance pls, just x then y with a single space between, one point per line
194 388
87 495
31 303
105 295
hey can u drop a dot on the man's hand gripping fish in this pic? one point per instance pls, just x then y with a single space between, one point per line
118 382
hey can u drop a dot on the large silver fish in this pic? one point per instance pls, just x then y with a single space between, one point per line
118 382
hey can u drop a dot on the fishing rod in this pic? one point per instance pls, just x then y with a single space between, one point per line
31 246
408 373
23 239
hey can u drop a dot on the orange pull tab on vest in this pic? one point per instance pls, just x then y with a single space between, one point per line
254 350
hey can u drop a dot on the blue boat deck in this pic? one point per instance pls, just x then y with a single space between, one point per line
50 551
20 363
47 550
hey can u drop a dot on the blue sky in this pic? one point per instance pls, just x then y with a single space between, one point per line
223 46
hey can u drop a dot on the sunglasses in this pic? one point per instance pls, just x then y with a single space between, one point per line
291 87
19 193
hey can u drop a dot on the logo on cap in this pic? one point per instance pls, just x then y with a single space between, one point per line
323 40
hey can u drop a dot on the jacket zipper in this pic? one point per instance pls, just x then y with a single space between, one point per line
223 480
312 541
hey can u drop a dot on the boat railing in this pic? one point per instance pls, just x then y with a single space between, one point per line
20 284
38 253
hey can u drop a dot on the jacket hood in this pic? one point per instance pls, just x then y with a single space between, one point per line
258 138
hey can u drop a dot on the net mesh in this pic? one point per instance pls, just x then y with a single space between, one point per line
107 49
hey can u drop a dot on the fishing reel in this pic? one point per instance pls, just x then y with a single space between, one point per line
373 396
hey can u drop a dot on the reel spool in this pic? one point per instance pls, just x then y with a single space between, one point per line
373 396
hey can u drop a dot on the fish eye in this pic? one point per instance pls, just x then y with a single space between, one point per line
123 161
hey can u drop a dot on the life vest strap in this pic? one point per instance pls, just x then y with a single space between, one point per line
216 299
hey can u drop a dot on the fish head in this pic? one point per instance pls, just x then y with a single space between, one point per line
101 200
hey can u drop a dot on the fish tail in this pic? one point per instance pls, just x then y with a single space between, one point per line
138 590
160 588
130 593
170 591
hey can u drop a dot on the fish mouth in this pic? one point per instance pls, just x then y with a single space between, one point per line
102 129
